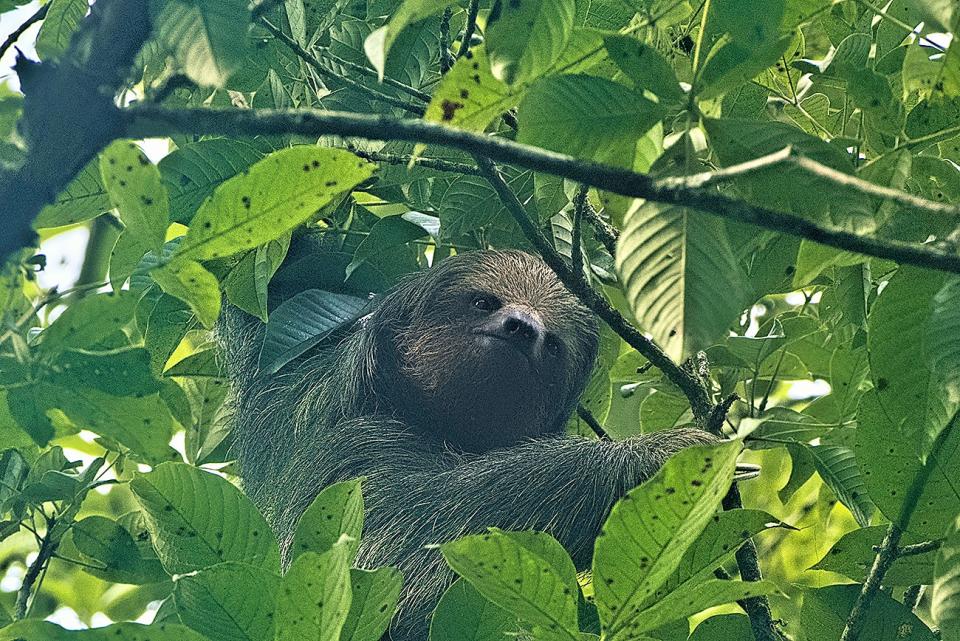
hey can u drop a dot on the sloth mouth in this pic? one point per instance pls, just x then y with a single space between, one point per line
489 337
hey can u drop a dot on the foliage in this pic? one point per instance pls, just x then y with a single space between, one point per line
790 278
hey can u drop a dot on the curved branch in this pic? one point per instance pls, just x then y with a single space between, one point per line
149 120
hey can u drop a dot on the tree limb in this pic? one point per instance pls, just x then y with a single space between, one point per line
150 120
11 40
65 136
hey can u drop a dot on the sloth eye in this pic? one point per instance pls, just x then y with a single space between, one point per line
484 303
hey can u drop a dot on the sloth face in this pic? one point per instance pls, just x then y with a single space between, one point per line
494 349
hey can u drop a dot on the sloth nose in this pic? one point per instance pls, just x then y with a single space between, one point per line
521 327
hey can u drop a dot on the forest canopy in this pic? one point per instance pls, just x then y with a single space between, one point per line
759 199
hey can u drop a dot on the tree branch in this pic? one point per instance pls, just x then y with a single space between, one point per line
64 139
150 120
788 156
757 608
11 40
319 67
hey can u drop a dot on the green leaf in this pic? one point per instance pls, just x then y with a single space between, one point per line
914 363
122 372
724 627
337 510
373 603
141 424
89 321
525 37
837 466
680 276
890 466
683 603
386 234
198 519
464 615
188 280
315 597
521 577
82 199
854 553
825 610
587 117
379 43
192 172
33 630
112 553
134 186
469 97
945 601
277 194
62 19
303 321
208 38
644 65
246 284
228 602
648 531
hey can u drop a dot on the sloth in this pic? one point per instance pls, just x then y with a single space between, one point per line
451 398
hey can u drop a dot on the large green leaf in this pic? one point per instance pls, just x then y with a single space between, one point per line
303 321
527 574
854 553
62 19
198 519
587 117
34 630
193 171
207 37
82 199
133 183
189 281
275 195
336 511
228 602
463 614
680 276
891 466
649 530
315 597
373 604
914 361
524 37
945 601
825 612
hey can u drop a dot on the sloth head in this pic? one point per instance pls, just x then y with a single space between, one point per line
485 350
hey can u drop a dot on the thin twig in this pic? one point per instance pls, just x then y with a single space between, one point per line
430 163
587 417
151 120
11 40
576 236
319 67
367 71
446 58
757 608
606 233
47 548
912 596
788 156
916 548
468 30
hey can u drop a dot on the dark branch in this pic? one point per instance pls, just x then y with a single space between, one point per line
147 120
11 40
62 139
